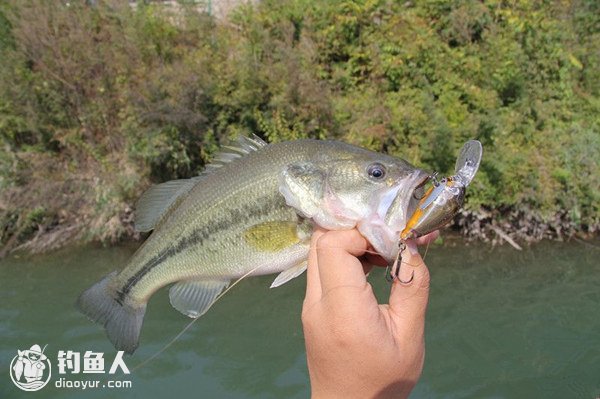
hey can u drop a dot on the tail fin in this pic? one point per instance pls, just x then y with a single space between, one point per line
122 322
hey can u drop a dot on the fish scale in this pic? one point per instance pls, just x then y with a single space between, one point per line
226 253
252 213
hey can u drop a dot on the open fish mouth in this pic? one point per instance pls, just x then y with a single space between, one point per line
406 200
393 212
417 195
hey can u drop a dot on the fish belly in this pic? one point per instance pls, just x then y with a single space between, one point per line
219 249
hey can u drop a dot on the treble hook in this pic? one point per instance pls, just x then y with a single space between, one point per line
394 272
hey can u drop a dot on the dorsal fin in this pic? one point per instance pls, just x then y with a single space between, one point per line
158 199
229 153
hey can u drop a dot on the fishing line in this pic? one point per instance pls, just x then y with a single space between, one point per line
426 249
187 327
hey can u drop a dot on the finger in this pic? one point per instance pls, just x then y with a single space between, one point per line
408 302
313 282
428 238
338 265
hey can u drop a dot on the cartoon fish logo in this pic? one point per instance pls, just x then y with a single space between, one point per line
30 369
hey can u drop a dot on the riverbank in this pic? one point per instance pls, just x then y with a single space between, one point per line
99 100
515 228
518 228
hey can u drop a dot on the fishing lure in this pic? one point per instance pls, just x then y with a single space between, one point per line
440 203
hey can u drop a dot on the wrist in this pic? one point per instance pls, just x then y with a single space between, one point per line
351 390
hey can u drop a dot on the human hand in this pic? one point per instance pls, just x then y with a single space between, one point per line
355 347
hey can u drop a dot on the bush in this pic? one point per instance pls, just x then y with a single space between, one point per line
98 100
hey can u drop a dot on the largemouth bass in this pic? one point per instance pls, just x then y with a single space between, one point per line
251 212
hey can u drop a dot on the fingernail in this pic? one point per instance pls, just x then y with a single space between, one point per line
412 247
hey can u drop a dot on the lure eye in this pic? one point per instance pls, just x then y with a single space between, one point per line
376 171
419 193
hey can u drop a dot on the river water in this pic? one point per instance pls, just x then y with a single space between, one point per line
501 324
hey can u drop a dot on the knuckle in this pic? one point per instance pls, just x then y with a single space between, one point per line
308 316
425 279
327 240
306 319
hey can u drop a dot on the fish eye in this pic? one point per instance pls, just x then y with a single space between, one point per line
376 171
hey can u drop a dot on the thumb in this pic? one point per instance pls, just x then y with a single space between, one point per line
408 302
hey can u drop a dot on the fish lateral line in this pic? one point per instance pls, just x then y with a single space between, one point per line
265 193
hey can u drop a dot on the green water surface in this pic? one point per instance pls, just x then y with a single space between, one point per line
501 324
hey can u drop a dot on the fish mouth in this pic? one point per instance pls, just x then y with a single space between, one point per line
417 195
394 205
411 191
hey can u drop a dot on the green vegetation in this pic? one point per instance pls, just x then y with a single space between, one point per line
97 102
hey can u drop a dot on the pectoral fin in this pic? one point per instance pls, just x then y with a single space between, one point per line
289 274
194 297
272 236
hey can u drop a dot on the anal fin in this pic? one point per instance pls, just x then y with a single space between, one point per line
289 274
194 297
